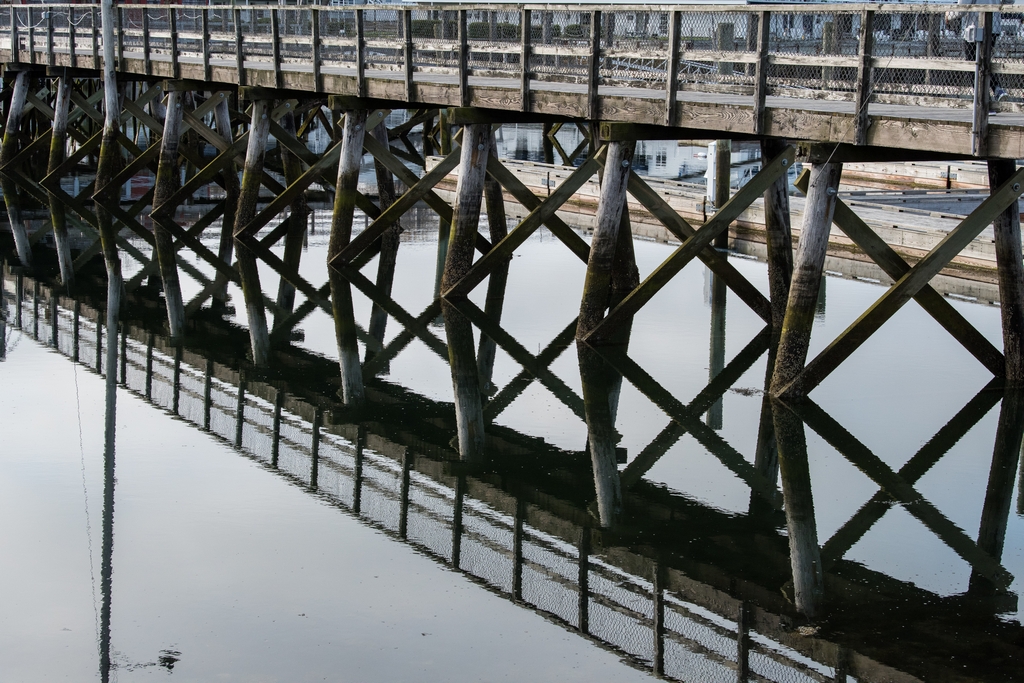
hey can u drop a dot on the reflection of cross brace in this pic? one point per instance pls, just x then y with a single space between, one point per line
688 416
861 457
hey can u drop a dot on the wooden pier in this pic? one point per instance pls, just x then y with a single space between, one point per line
110 93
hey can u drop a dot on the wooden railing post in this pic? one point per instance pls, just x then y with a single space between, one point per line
147 63
239 48
594 77
408 56
863 93
120 37
15 41
314 34
31 42
982 86
360 56
172 19
672 76
95 38
761 73
50 61
463 60
207 75
275 44
524 59
72 57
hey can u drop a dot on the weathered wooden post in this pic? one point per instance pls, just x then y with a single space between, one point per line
603 246
1011 274
468 199
8 150
807 270
248 196
804 552
778 239
341 234
494 202
222 118
723 181
600 399
469 415
58 150
999 493
292 167
389 241
725 41
167 182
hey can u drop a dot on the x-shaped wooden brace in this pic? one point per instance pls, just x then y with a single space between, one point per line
908 286
900 490
568 158
695 245
688 417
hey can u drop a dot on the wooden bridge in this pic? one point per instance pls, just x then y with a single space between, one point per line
822 83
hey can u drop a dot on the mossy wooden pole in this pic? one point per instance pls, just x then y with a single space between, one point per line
341 233
807 270
1011 275
804 552
167 182
58 152
604 245
600 400
497 224
222 117
389 241
248 196
476 144
469 414
444 229
296 234
779 238
8 149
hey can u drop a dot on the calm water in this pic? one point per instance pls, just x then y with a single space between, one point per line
332 544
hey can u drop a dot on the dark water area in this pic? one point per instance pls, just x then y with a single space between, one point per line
243 524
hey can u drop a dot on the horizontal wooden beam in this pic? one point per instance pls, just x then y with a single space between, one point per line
610 131
464 116
820 153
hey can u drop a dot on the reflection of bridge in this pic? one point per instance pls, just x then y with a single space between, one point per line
651 583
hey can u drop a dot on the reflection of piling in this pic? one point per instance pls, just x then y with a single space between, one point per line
716 362
995 512
804 553
469 415
807 270
600 399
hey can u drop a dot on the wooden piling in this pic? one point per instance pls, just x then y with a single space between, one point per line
58 152
341 233
476 144
1011 275
603 246
389 241
494 202
296 233
248 196
167 182
222 117
807 271
723 180
8 149
778 238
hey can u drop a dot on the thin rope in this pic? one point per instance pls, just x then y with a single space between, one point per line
88 520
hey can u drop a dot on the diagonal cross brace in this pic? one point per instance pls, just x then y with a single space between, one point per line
904 289
693 247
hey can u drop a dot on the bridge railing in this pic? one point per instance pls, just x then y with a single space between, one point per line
854 53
